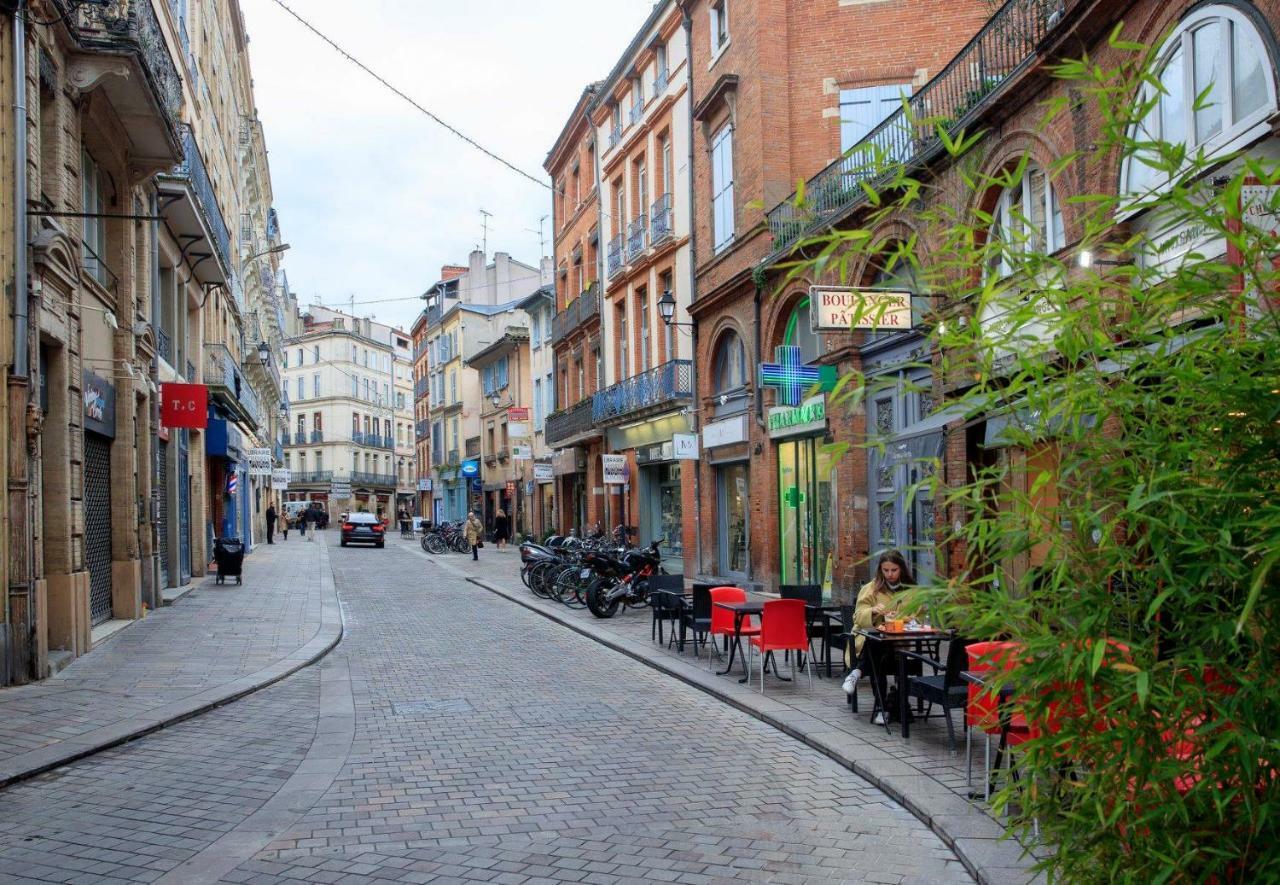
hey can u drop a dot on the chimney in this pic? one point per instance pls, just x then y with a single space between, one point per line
452 271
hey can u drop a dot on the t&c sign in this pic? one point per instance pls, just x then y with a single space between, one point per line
184 405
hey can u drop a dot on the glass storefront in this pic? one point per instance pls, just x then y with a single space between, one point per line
732 497
806 482
662 513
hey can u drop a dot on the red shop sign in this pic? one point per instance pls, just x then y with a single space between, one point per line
184 405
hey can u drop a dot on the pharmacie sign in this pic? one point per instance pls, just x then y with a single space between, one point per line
808 417
839 309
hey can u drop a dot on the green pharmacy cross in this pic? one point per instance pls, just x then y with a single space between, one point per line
791 377
793 497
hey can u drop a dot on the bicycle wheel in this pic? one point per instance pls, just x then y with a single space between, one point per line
538 579
434 544
459 543
566 583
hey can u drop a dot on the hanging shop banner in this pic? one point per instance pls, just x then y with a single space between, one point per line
424 485
470 467
518 413
259 462
518 429
685 446
808 417
280 479
340 489
544 472
839 309
614 468
184 405
522 453
99 404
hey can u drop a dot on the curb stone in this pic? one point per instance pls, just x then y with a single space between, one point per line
25 766
979 842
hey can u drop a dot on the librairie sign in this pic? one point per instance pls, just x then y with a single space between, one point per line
809 416
839 309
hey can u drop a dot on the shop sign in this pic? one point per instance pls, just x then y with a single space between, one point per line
184 405
544 473
518 429
99 404
528 487
470 467
340 489
614 468
726 432
280 479
685 446
259 462
1257 206
522 453
424 485
518 413
567 461
809 416
839 309
477 485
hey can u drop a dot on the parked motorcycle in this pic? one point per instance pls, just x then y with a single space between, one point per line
619 579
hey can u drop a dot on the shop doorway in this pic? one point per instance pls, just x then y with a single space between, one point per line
97 524
662 513
162 497
732 495
805 485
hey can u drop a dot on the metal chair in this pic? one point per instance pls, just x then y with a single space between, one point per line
666 601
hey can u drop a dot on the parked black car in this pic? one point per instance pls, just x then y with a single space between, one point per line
363 528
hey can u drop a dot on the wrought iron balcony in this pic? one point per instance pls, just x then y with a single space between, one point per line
571 424
649 391
164 345
636 240
421 429
130 28
193 172
614 263
575 314
310 477
660 213
228 387
661 81
615 134
637 110
358 438
317 436
380 480
1003 48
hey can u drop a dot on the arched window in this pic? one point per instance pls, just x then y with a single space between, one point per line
1216 53
1026 220
730 363
800 333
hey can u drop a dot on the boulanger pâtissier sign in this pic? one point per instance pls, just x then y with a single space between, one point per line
839 309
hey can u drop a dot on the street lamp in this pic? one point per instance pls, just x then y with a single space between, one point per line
667 307
495 399
264 352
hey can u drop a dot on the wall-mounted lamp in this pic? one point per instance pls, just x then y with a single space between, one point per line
667 307
264 352
1086 259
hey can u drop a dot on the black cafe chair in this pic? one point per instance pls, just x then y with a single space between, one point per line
666 601
945 687
697 617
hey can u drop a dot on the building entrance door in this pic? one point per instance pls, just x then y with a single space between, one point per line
732 496
184 505
805 484
97 524
162 491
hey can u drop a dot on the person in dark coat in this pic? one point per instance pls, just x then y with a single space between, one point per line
271 523
501 528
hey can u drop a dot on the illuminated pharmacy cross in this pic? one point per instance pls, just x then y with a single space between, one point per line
791 377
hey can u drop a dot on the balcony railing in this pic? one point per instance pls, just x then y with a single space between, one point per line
386 480
192 169
577 312
310 476
660 213
637 111
420 387
317 436
1004 46
223 378
614 262
421 429
661 81
636 231
659 386
472 447
357 437
615 134
164 345
132 26
569 424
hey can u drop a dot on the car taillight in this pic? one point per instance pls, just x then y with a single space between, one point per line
348 526
377 527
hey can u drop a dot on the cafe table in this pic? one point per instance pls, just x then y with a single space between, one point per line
826 613
895 639
1005 691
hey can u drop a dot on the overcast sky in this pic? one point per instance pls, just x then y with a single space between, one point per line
374 196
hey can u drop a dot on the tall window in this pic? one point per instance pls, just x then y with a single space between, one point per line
315 385
302 393
624 362
1216 56
664 151
862 110
642 187
642 310
722 188
730 364
719 24
1026 220
95 229
800 333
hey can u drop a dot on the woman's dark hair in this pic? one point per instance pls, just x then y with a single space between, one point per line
897 559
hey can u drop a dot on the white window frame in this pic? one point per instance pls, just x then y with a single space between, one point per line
1234 133
1004 217
719 14
864 108
722 210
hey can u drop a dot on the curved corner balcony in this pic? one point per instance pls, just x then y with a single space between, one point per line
648 393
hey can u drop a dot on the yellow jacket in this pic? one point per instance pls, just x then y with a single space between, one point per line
863 616
473 530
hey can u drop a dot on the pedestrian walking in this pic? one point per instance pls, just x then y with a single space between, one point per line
473 531
501 529
271 523
302 521
312 517
284 525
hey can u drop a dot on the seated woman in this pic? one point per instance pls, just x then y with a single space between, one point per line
877 602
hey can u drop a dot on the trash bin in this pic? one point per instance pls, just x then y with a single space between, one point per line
228 553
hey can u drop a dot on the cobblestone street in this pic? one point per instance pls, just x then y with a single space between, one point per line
454 736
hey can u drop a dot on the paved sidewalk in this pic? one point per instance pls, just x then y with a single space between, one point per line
214 645
920 773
